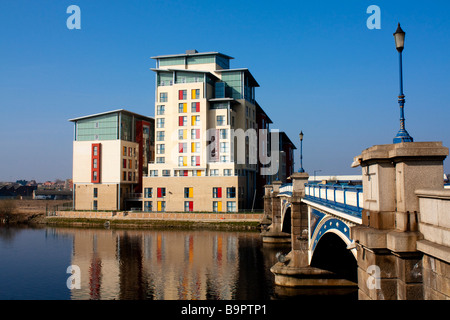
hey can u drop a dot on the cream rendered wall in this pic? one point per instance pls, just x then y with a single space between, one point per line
202 191
110 164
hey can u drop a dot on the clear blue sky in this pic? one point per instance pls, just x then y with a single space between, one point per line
321 70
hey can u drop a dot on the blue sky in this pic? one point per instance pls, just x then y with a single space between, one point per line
321 70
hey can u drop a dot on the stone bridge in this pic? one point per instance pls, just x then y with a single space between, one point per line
388 233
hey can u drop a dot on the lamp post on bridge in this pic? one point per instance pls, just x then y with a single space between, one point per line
402 134
301 152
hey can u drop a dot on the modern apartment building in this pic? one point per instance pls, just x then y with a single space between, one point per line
206 123
111 152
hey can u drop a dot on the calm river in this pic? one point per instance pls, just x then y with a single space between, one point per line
137 264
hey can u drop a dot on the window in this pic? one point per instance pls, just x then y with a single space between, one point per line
160 135
182 94
129 176
182 161
246 111
220 120
223 133
124 176
182 121
224 147
182 147
195 120
160 160
166 173
195 133
160 148
95 150
161 192
182 107
195 147
223 158
124 153
189 192
214 172
148 206
217 192
94 205
163 97
231 206
217 206
94 165
195 160
188 206
153 173
195 107
95 192
227 172
129 163
197 173
231 192
195 94
160 122
182 134
148 192
161 206
160 110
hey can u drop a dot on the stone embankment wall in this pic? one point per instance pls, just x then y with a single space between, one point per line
227 216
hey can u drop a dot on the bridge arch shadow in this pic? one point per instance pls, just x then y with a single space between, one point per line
331 254
286 224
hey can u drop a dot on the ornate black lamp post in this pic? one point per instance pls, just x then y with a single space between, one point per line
402 134
301 152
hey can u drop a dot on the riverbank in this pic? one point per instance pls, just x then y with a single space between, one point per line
34 212
136 223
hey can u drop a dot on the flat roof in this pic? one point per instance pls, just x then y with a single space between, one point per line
245 70
109 112
183 70
192 54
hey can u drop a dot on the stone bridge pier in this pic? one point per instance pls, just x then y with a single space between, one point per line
272 213
392 254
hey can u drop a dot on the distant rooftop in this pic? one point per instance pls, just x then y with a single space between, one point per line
109 112
192 53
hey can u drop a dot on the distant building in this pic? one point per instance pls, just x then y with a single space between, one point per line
111 152
201 105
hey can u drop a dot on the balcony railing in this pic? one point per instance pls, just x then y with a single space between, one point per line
341 197
131 196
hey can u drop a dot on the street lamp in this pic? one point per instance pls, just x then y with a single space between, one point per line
301 152
402 134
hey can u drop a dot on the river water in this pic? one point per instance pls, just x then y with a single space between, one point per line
146 264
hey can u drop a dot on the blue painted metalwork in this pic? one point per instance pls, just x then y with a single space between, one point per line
301 153
332 224
315 195
402 134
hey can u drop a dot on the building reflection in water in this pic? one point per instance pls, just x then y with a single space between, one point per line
169 265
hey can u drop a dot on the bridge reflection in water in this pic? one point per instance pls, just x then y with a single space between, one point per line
171 265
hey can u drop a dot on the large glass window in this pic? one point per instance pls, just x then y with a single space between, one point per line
148 206
231 206
231 192
163 97
220 120
148 192
160 148
160 135
160 110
